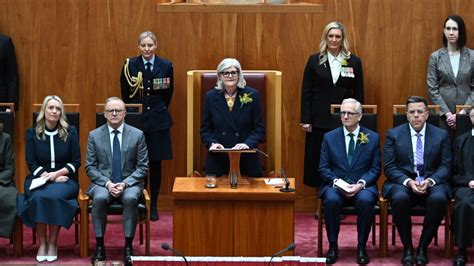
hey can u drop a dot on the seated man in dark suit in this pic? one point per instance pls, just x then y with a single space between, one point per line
350 154
117 165
417 163
463 187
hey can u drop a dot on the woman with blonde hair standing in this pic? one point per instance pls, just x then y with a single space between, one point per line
331 75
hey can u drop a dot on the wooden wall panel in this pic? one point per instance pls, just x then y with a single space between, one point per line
76 48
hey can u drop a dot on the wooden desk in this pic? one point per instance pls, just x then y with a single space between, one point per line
252 220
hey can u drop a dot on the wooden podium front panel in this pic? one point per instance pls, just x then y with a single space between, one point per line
203 227
263 228
252 220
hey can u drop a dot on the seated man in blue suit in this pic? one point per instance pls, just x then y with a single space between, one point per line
350 153
417 163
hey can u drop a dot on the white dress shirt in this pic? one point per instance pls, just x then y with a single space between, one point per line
455 63
336 64
413 135
347 139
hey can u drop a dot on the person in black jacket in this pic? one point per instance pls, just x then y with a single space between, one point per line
148 79
330 76
9 82
462 182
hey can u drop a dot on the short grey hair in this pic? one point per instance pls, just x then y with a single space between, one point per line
147 34
113 98
356 102
226 64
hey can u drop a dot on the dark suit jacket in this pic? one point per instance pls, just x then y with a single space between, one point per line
8 190
319 92
462 161
399 161
155 101
366 161
9 82
243 125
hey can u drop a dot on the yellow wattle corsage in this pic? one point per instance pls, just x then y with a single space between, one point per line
363 138
245 98
344 62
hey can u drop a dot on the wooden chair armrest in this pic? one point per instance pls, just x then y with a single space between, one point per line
146 196
82 196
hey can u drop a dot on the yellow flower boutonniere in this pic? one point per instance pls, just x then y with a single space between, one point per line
363 138
246 98
344 62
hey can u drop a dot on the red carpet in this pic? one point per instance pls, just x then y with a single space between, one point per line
305 240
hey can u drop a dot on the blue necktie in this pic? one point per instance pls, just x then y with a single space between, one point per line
351 147
116 159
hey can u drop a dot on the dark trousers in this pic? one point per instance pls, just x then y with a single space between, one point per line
364 202
402 199
155 181
463 217
312 154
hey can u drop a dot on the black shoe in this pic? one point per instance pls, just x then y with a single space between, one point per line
407 258
362 256
331 256
127 254
460 260
99 254
154 215
422 256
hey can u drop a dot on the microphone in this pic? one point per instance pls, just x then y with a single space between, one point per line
261 152
166 246
287 187
290 247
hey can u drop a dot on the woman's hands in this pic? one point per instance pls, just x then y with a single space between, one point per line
55 177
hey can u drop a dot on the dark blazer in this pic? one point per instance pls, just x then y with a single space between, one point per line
8 190
462 163
9 82
319 92
366 161
155 99
399 161
243 125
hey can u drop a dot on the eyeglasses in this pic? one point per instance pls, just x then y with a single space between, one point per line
349 114
228 74
413 112
117 111
451 28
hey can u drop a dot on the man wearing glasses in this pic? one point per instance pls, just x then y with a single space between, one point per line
463 187
417 163
350 155
117 165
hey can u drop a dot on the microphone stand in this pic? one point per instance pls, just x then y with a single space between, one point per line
291 246
233 180
287 187
167 247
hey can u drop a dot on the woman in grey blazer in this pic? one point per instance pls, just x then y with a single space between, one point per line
450 73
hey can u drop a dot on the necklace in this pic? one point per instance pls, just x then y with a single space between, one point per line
230 98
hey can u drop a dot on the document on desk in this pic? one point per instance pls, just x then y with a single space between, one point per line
276 182
38 182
